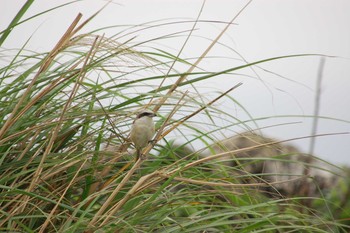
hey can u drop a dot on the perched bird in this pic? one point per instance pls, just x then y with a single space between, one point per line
142 130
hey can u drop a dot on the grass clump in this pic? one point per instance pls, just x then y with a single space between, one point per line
65 157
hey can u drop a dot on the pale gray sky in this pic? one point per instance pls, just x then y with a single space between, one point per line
265 29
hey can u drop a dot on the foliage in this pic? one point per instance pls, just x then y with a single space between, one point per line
65 163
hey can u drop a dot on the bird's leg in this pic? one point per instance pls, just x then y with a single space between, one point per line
153 141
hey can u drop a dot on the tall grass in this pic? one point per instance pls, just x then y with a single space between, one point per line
67 164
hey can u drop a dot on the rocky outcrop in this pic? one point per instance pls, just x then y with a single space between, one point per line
284 168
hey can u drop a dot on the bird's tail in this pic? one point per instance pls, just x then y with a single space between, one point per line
138 154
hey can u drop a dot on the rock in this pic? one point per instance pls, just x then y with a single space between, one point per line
281 166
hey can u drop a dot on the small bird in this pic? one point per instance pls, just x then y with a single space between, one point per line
142 131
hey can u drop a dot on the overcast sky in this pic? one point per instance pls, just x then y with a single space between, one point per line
265 29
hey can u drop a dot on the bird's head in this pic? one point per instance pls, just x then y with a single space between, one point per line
146 113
